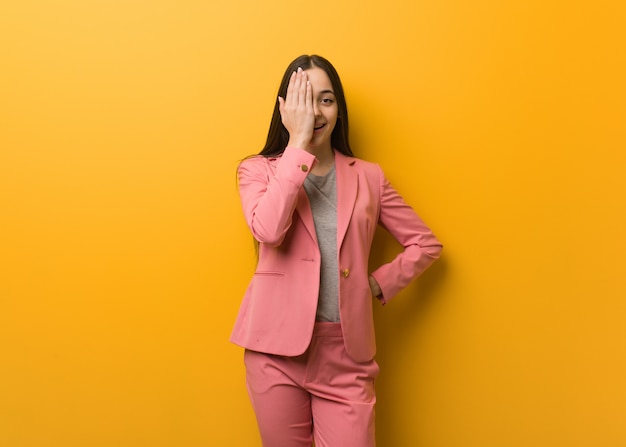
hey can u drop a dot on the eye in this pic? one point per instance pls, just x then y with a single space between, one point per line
327 101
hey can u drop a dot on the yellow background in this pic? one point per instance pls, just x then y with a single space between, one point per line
124 254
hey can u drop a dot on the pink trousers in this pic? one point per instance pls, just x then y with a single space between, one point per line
322 395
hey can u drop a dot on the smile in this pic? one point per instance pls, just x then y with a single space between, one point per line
318 128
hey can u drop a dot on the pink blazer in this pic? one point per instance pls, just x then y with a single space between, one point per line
277 314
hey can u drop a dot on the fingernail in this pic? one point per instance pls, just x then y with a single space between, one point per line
299 69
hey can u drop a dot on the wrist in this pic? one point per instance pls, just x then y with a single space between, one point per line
301 143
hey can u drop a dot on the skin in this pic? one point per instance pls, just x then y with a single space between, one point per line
309 113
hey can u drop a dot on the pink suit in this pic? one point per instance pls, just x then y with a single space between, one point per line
298 370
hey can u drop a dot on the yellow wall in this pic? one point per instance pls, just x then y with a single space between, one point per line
124 254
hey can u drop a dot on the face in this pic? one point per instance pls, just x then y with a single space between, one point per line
324 106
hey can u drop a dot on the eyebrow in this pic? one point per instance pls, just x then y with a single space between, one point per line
323 92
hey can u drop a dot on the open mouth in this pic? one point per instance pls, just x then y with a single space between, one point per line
318 128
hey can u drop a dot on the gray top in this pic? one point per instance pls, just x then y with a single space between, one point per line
322 193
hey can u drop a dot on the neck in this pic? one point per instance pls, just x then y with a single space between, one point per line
325 160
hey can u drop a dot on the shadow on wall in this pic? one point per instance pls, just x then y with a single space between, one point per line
399 337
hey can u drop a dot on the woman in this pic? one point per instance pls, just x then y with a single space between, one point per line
306 318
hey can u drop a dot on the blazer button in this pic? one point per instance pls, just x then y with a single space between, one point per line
345 273
304 168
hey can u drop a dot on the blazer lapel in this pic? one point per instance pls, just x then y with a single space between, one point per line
347 187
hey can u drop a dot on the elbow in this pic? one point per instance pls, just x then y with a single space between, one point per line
437 250
269 232
433 250
269 238
270 242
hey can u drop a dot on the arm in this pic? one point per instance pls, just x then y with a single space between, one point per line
269 198
421 247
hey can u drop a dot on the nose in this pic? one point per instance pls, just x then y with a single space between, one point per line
316 110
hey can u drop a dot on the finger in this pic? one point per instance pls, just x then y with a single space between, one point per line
302 87
291 87
281 109
295 93
309 95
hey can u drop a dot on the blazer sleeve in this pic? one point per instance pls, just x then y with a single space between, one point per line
421 247
269 194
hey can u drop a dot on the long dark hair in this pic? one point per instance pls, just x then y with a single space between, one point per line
278 137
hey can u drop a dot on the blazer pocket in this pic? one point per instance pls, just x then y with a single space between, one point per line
270 274
267 293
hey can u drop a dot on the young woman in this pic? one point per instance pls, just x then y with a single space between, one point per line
306 319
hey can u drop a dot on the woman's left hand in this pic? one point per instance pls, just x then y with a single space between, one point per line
375 288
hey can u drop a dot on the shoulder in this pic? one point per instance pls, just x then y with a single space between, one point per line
368 168
367 165
256 168
290 154
257 163
254 160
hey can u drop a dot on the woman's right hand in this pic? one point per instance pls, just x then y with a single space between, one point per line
296 110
